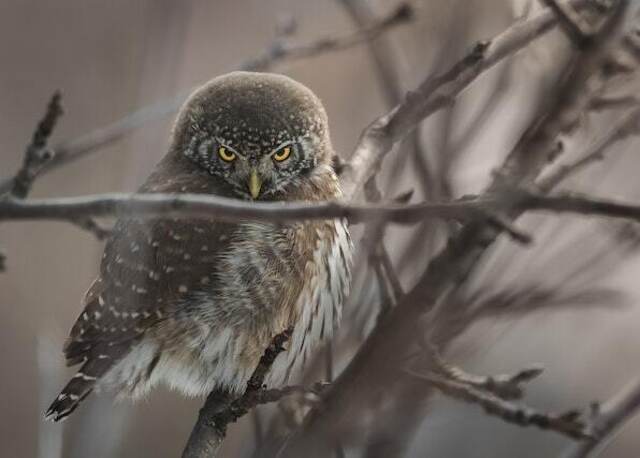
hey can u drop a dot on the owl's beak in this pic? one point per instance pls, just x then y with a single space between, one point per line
255 183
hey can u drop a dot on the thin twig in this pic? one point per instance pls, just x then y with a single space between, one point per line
504 386
628 125
568 423
37 154
607 420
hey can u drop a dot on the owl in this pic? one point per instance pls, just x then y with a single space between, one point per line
193 303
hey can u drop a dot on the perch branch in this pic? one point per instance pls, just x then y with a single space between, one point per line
221 408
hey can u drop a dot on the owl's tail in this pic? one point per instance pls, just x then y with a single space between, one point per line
78 388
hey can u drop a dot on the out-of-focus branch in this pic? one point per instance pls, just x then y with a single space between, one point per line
607 420
37 154
504 386
221 408
578 30
387 60
621 129
279 52
568 423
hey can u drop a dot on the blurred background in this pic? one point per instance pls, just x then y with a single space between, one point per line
110 58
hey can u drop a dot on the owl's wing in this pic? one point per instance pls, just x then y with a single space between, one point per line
147 268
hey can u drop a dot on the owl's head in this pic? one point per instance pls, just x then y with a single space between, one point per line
257 132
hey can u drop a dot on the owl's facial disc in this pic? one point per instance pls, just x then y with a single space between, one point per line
254 170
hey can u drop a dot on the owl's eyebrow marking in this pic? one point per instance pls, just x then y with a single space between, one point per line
224 144
280 146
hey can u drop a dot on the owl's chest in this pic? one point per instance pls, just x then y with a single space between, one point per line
283 277
318 306
267 279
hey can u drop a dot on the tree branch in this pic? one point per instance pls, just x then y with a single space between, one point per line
225 209
607 420
578 30
221 408
567 423
503 386
37 154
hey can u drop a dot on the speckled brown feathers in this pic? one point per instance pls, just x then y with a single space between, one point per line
194 303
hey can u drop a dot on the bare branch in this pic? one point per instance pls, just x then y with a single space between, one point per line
607 420
225 209
283 51
36 158
569 423
221 408
504 386
36 154
578 30
628 125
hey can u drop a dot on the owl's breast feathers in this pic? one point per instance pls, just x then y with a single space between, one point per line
194 303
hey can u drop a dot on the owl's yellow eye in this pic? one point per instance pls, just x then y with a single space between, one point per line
282 154
226 154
